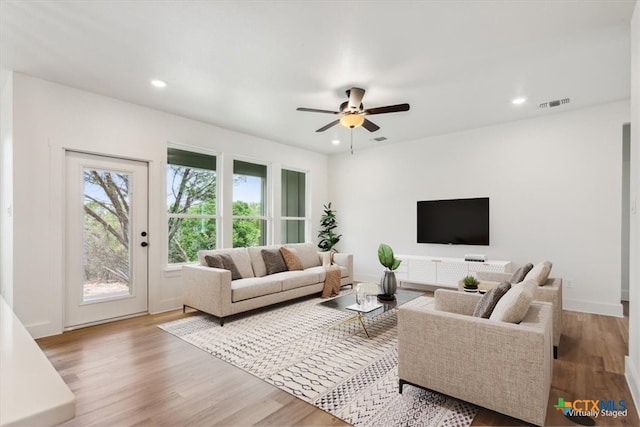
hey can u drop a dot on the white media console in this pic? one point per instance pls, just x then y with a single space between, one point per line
443 272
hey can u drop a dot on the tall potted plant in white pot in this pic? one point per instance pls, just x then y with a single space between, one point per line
388 281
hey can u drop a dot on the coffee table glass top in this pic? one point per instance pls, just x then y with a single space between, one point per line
342 302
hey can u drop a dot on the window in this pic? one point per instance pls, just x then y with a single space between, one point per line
191 204
293 207
249 204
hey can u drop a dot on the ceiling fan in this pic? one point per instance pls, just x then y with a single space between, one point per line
352 112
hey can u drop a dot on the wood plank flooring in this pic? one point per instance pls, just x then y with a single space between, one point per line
131 373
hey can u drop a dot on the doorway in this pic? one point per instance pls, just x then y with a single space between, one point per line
626 207
106 260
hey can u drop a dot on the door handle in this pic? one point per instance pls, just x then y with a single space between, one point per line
144 244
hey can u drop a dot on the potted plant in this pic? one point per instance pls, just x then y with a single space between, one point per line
328 223
390 262
470 284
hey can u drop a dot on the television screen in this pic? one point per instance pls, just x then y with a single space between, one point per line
454 222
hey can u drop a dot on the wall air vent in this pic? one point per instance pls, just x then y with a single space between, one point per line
556 103
379 139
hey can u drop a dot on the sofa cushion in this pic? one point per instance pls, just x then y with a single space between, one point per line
307 252
320 271
297 279
240 257
214 261
253 287
540 273
488 302
513 306
519 275
255 256
229 264
273 261
291 259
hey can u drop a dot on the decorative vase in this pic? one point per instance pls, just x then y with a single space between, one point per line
388 283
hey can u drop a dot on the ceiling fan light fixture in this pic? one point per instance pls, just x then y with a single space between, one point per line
351 120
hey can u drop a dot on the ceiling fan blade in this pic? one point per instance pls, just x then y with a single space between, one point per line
355 95
330 125
387 109
315 110
370 126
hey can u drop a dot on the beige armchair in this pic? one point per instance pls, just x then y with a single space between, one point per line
501 366
550 292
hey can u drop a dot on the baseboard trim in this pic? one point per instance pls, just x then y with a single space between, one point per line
593 307
633 381
43 329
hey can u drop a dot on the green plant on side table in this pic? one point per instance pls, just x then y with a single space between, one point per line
390 262
470 284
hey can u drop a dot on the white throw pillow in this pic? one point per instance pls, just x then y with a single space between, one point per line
514 305
539 273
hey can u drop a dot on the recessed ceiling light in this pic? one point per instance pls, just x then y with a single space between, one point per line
335 142
519 100
158 83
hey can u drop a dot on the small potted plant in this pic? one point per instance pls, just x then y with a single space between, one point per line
470 284
390 262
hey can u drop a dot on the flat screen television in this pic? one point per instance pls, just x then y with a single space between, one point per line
454 222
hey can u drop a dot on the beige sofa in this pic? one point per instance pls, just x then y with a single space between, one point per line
212 291
550 292
501 366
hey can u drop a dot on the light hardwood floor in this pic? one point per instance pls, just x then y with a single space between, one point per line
130 373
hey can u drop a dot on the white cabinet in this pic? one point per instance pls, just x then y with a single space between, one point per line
443 272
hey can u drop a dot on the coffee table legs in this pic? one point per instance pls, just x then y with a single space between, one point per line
357 317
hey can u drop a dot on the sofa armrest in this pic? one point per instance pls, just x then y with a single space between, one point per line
207 289
552 292
493 277
456 301
345 260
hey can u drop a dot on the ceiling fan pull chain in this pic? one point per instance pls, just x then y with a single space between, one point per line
351 146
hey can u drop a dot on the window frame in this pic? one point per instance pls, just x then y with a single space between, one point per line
217 217
307 203
267 215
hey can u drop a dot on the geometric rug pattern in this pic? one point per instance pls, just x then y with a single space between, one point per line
302 349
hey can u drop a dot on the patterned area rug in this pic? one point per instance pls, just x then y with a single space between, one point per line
303 349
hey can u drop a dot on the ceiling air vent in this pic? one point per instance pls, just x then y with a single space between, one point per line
556 103
379 139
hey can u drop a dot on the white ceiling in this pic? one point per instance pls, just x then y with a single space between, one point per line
247 65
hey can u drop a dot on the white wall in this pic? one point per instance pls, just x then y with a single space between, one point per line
632 365
6 180
49 118
555 193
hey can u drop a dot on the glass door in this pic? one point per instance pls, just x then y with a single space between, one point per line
106 238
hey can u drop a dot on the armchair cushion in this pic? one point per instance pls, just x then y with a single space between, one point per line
488 302
514 305
540 273
519 275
